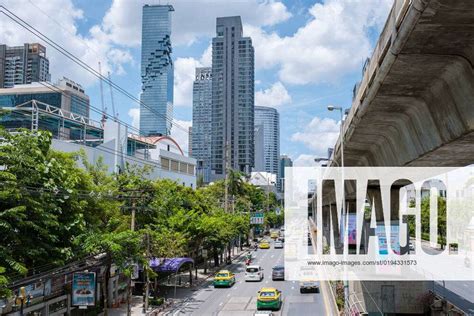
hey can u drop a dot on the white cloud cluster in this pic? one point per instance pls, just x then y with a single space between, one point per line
58 20
134 113
191 20
179 132
333 43
184 73
274 96
304 160
318 135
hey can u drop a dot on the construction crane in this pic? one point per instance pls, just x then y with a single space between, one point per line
115 114
104 109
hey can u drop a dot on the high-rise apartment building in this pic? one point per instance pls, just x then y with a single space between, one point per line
270 120
232 98
285 161
23 65
156 110
202 113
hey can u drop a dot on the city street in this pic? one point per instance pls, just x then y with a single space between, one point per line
241 298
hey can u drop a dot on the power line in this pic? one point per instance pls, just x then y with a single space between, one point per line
95 109
82 64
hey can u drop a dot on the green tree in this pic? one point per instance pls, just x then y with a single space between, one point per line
41 204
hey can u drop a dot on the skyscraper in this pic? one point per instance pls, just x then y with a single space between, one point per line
285 161
270 120
232 98
23 65
156 110
202 112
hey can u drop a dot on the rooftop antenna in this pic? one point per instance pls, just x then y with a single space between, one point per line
104 109
115 114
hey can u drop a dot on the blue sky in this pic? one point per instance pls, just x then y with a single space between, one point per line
308 54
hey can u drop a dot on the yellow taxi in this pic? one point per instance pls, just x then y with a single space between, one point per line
224 278
264 245
274 235
269 298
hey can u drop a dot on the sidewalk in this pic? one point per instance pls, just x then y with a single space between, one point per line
183 291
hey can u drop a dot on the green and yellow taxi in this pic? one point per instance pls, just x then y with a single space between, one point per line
264 245
224 278
269 298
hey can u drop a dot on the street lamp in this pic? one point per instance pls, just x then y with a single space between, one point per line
341 142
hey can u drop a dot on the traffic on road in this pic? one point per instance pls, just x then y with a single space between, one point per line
255 288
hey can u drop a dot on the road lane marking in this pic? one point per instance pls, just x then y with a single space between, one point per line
274 255
228 295
293 286
221 303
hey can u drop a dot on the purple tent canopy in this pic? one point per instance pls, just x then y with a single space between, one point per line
169 264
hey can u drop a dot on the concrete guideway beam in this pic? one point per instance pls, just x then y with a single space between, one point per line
417 94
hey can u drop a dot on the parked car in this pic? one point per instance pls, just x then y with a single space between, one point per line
253 273
224 278
269 298
309 286
278 272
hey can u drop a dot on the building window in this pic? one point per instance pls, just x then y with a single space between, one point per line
183 167
165 163
191 169
174 165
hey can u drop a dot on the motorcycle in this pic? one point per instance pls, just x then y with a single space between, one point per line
248 261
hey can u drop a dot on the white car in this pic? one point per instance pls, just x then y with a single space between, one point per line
253 273
278 244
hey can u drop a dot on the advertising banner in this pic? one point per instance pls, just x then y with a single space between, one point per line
83 289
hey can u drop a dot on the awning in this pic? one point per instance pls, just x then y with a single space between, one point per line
169 264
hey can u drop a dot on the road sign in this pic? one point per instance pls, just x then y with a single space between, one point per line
257 218
277 211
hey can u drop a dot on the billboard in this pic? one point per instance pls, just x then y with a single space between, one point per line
83 289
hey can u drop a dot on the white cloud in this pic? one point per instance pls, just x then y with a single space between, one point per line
58 19
274 96
123 20
332 44
318 135
304 160
184 73
134 113
179 132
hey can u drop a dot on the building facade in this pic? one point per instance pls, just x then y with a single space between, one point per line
270 120
65 94
23 64
156 108
202 114
259 142
232 98
285 161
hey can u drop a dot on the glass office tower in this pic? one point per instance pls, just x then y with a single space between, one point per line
156 110
232 98
270 120
202 112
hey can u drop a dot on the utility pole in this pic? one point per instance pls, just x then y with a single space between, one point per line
129 292
147 277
